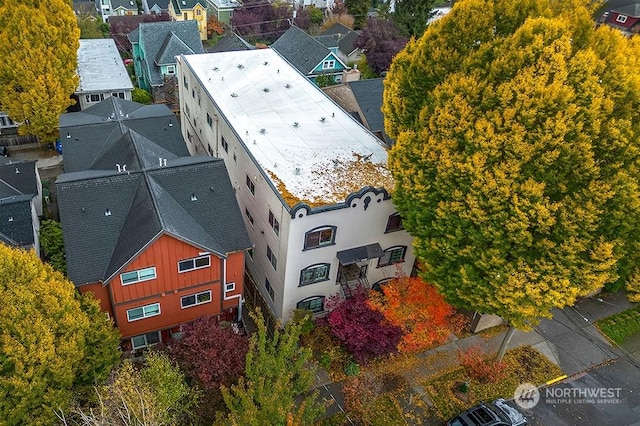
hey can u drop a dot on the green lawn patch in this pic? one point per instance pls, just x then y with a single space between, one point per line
622 325
523 364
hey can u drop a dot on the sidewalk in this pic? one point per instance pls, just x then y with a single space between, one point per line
569 339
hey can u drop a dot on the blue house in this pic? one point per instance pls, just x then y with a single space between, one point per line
309 56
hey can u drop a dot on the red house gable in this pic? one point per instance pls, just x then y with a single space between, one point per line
170 283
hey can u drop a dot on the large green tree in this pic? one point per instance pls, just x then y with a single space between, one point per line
277 372
411 16
39 42
517 157
50 347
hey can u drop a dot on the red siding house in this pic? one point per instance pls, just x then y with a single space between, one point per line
624 15
155 234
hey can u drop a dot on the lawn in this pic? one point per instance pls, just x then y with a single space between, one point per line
622 325
523 364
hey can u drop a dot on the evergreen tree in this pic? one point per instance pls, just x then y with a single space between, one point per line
277 373
39 41
517 162
411 16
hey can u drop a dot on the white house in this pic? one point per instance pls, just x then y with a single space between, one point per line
311 181
102 73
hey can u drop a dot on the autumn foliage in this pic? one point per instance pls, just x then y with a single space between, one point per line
419 310
364 331
479 367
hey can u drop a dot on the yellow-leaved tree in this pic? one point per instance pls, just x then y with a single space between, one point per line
53 342
517 161
39 42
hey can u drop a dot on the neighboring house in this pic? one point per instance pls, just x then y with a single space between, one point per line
101 73
121 26
363 99
84 8
311 181
7 125
155 47
320 4
190 10
222 9
20 204
340 40
156 236
108 8
229 43
308 55
155 7
623 15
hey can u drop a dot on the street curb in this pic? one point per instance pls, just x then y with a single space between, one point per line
556 380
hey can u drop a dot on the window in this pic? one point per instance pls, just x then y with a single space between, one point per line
272 258
229 287
171 69
145 340
377 286
621 19
143 312
248 214
267 285
251 186
274 223
118 95
93 98
193 93
224 144
394 223
210 150
185 16
319 237
137 276
314 274
184 82
198 12
195 263
313 304
209 120
392 255
195 299
328 65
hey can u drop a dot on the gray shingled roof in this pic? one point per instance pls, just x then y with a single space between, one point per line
16 221
301 50
336 28
117 131
344 42
126 4
231 42
18 178
178 5
191 199
368 94
159 40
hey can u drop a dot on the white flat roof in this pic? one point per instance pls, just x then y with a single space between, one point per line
312 150
100 67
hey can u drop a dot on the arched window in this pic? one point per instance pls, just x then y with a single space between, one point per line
319 237
394 223
314 304
393 255
314 274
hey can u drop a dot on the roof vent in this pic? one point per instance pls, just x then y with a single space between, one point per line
240 66
216 68
263 130
296 124
266 89
10 218
296 171
131 3
107 212
288 86
193 197
265 63
17 171
170 124
68 135
234 95
184 3
322 118
367 157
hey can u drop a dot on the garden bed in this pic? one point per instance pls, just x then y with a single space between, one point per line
523 365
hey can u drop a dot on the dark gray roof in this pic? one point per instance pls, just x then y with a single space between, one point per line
301 50
191 199
117 131
631 9
126 4
368 94
343 42
18 177
162 4
164 41
231 42
336 28
178 5
16 220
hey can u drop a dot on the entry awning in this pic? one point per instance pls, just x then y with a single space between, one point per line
359 254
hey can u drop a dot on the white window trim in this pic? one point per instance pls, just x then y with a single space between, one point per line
171 69
329 64
196 298
229 287
621 19
143 313
146 343
138 272
193 259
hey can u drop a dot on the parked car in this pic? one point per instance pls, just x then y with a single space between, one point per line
4 152
496 413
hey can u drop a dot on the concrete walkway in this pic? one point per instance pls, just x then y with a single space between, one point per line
569 339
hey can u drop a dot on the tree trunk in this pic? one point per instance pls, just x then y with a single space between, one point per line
505 343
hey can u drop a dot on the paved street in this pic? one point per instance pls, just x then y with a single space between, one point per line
568 403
